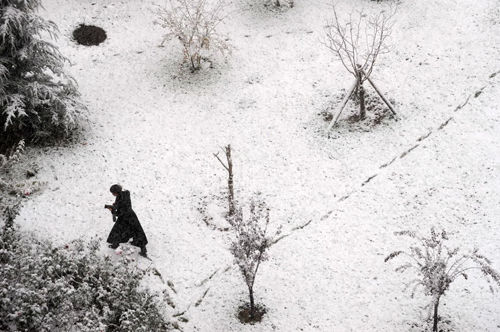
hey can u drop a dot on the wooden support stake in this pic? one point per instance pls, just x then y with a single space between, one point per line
382 96
342 105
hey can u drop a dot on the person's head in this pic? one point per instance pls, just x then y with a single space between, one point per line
115 189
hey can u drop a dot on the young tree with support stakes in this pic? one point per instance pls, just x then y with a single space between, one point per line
436 266
357 44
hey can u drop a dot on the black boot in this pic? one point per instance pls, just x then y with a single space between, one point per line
143 252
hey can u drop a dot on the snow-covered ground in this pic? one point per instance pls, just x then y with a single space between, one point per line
153 128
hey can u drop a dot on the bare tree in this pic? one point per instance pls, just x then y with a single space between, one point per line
358 44
250 244
230 183
194 23
436 266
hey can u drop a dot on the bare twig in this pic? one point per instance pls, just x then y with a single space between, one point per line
216 155
230 183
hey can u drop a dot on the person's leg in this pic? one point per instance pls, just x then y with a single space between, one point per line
143 251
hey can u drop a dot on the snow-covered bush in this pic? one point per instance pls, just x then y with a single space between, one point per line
70 288
194 24
250 246
7 160
434 266
17 181
9 204
37 99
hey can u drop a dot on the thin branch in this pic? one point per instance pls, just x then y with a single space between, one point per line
216 155
457 273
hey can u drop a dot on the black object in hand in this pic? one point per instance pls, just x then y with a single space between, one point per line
108 206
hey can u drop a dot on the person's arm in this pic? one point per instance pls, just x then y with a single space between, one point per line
113 212
112 209
123 204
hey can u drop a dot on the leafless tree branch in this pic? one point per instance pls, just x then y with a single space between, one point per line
344 39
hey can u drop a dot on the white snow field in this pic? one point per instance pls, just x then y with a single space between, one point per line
153 127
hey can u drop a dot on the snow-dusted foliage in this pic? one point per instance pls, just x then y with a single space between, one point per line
251 242
38 100
70 288
434 266
17 181
194 23
7 160
9 204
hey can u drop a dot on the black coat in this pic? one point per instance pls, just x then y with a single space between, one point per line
127 224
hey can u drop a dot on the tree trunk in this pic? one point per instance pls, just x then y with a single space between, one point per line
230 184
362 110
361 94
252 304
435 325
193 66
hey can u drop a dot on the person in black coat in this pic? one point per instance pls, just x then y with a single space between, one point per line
127 224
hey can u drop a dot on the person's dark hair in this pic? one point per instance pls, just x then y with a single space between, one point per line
115 189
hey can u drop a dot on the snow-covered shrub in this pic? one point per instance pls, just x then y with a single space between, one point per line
194 24
250 246
434 266
38 100
17 181
7 160
9 204
70 288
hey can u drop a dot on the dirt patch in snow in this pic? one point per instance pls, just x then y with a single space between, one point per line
244 314
89 35
376 111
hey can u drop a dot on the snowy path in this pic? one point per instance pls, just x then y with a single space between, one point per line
154 130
